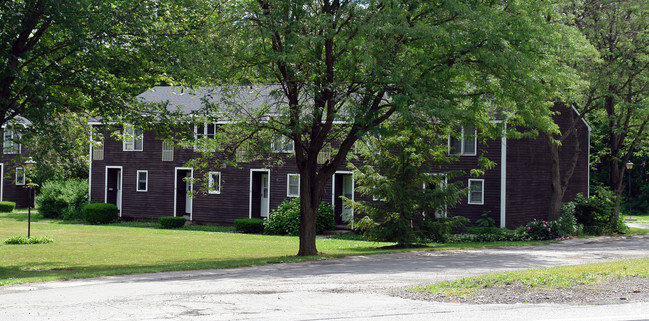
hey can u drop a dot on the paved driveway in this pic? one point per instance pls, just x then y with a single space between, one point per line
354 288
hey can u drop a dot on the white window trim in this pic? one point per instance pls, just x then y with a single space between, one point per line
482 192
20 182
210 183
137 182
168 151
461 138
13 150
132 139
288 185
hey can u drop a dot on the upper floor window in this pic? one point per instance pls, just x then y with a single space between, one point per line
465 144
20 176
293 185
98 150
476 191
205 131
10 143
214 182
133 138
282 144
167 151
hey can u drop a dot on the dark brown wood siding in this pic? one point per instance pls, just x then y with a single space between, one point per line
10 191
528 173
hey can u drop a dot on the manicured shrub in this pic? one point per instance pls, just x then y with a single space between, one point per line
171 222
7 207
285 219
249 225
18 240
595 213
63 198
100 213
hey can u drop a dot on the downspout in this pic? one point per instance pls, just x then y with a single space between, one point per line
503 176
90 168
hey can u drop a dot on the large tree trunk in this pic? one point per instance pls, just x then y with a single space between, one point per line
559 180
310 198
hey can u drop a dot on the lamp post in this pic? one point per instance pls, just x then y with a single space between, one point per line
629 166
29 166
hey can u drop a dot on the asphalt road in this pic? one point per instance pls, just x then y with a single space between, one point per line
354 288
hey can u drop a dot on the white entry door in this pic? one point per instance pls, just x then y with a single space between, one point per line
348 192
188 188
119 191
264 195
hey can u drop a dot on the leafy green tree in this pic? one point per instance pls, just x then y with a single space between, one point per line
401 172
82 55
615 100
342 68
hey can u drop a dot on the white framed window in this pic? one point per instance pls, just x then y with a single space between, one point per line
98 151
214 182
20 176
142 181
204 131
465 144
476 191
439 183
293 185
133 138
167 151
282 145
325 154
10 144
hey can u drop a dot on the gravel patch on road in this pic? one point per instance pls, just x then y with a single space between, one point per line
610 290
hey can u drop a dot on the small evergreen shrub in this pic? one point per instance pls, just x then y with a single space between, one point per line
100 213
170 222
7 207
249 225
595 213
285 219
63 198
18 240
439 230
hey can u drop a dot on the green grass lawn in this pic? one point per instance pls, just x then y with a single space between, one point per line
81 251
638 218
547 278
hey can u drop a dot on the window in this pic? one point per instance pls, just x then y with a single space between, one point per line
167 151
133 138
204 131
20 176
437 184
214 182
282 145
465 144
10 143
325 154
98 151
142 181
476 191
293 185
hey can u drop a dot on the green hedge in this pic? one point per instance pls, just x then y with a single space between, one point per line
63 198
19 240
249 225
100 213
285 219
7 207
171 221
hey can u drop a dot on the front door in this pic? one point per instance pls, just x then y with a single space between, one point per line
114 187
183 192
348 191
264 196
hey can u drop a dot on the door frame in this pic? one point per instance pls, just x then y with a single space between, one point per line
191 189
2 181
252 171
333 191
119 198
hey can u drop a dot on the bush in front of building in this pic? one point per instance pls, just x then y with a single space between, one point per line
7 207
285 219
100 213
596 213
249 225
170 222
63 198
